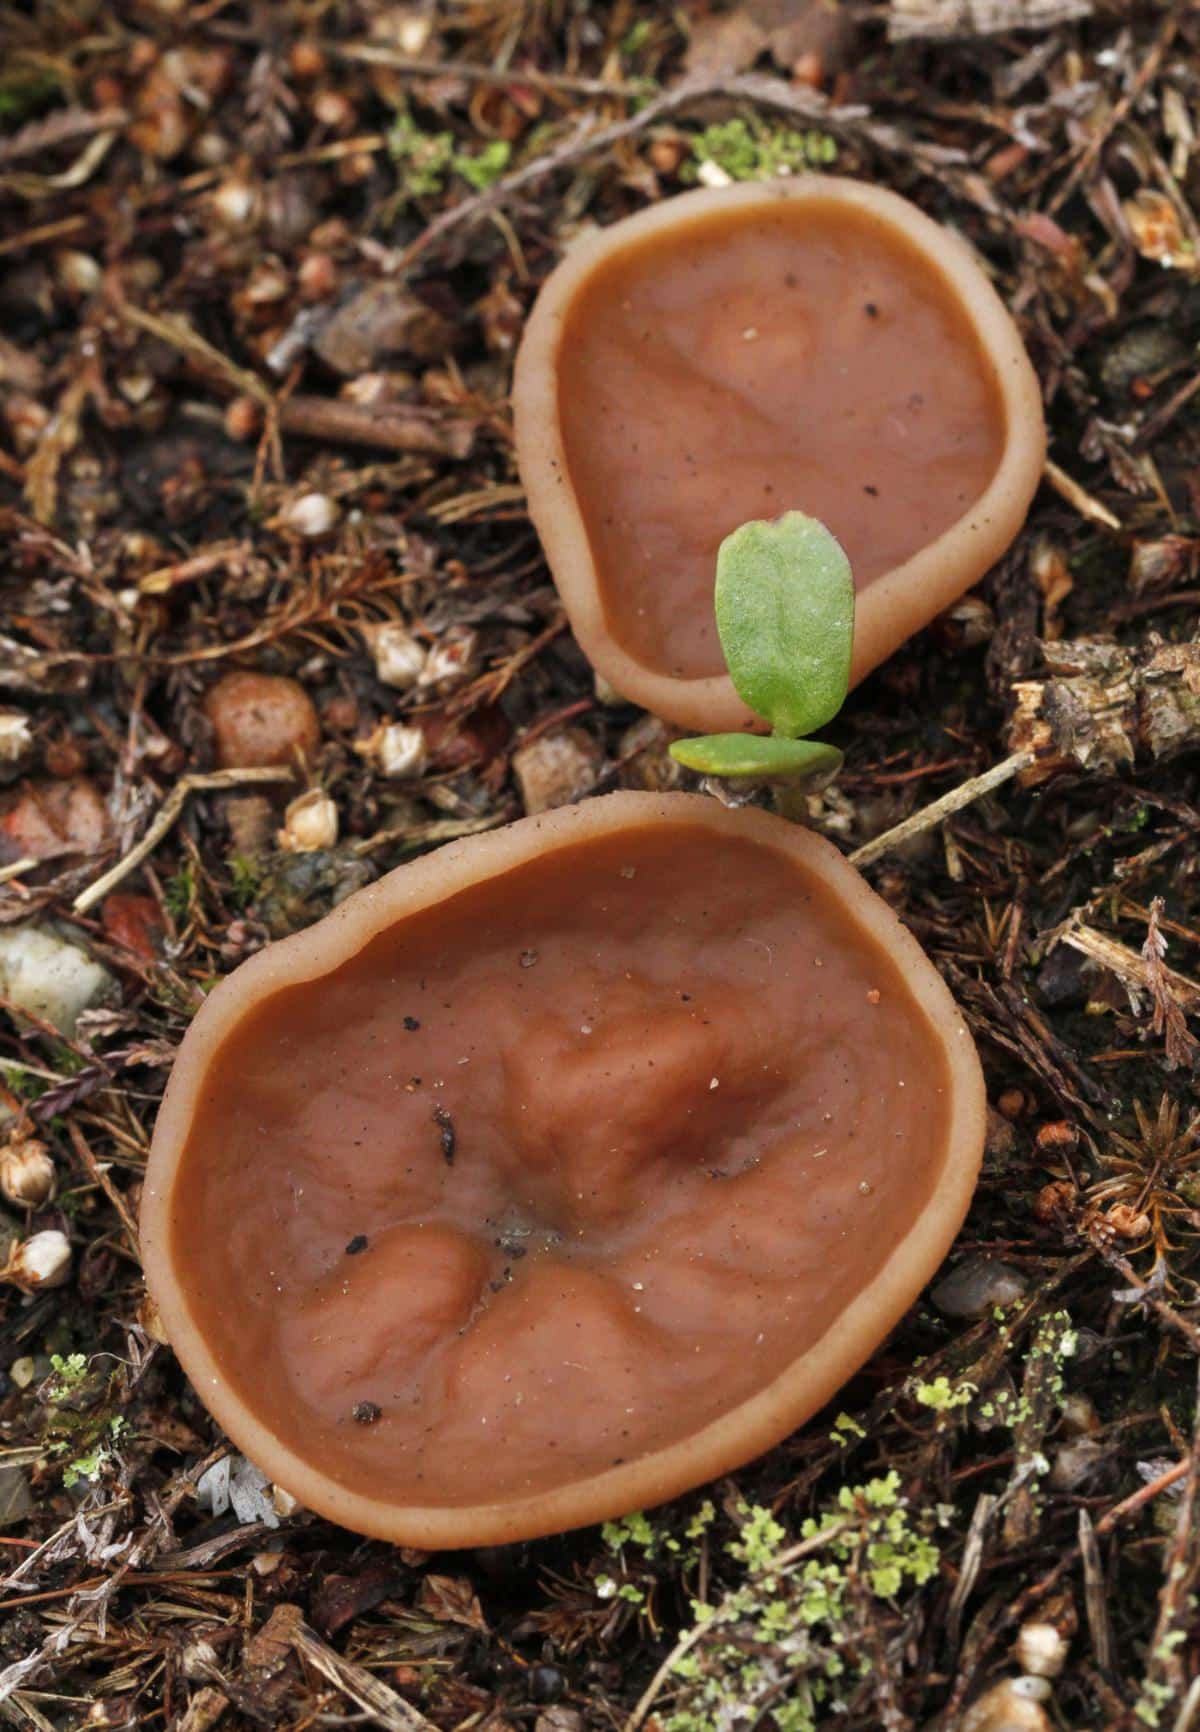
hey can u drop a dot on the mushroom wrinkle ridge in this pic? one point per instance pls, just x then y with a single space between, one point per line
492 1213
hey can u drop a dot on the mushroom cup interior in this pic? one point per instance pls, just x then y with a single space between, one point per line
815 345
559 1171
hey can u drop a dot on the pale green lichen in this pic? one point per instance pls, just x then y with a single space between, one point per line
844 1429
943 1396
776 1641
485 168
639 1543
752 150
69 1373
91 1465
1149 1706
425 160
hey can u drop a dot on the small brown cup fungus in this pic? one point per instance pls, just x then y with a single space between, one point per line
559 1171
813 344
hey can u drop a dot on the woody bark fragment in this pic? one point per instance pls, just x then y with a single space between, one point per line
940 20
1101 705
1173 996
389 426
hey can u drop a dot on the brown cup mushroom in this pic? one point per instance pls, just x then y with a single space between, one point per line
813 344
559 1171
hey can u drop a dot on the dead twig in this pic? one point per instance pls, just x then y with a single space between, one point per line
373 1696
941 20
168 577
98 1174
1079 498
930 816
1095 1594
1130 968
1016 1613
178 334
1161 419
389 426
1146 73
62 127
167 814
1165 1669
410 66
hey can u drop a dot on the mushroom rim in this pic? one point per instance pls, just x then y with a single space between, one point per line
962 553
736 1437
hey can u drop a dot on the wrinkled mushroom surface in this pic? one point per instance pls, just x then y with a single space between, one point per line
558 1171
813 344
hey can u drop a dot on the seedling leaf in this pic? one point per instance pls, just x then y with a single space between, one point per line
769 757
785 616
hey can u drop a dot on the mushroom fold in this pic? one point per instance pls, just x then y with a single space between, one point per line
559 1171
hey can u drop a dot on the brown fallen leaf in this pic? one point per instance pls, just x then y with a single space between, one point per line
452 1600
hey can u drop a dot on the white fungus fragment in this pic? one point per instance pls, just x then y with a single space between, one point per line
312 515
395 750
399 658
16 736
26 1173
309 823
39 1262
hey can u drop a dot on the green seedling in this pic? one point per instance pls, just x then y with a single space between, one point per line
785 616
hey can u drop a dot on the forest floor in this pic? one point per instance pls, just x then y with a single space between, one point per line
206 465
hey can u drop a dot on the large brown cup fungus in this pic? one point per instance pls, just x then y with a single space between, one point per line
559 1171
812 344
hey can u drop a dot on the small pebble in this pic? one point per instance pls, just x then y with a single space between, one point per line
43 820
1014 1705
261 719
42 974
555 769
976 1286
545 1683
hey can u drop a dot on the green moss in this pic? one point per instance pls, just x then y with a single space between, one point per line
1154 1698
635 39
26 90
635 1530
179 891
761 1537
246 874
702 1520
